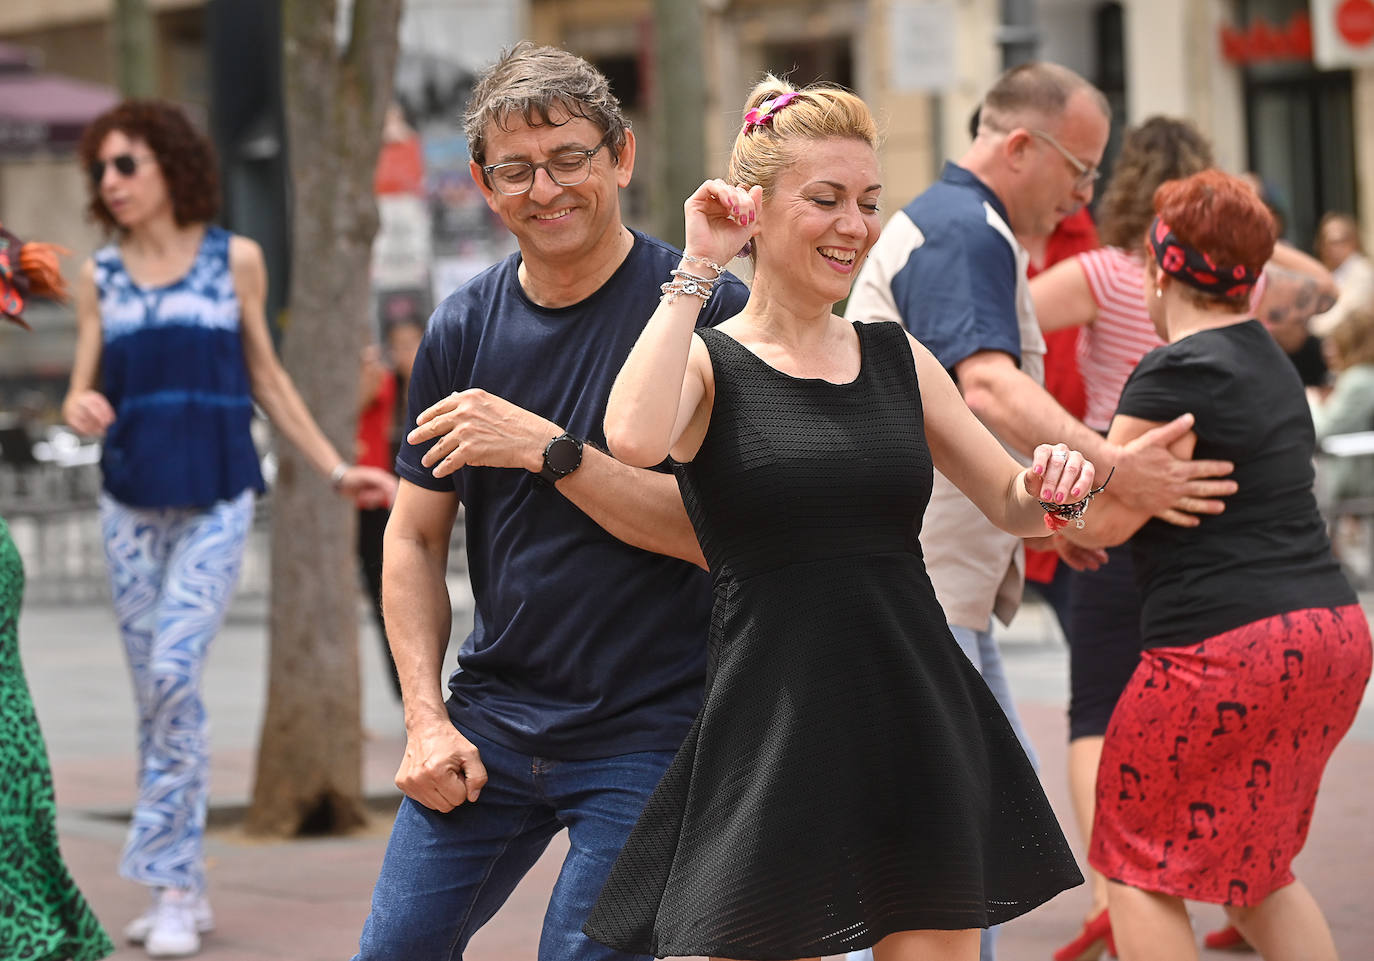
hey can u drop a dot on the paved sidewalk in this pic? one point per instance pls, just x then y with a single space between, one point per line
306 900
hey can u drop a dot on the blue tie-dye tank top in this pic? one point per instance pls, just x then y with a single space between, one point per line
173 368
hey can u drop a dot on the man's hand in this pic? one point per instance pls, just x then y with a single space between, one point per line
1076 556
441 768
1149 477
481 429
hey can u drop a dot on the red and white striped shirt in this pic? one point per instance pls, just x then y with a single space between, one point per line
1113 344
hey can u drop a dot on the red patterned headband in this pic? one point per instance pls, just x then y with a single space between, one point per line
1195 268
763 113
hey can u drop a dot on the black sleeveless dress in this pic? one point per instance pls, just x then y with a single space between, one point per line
849 774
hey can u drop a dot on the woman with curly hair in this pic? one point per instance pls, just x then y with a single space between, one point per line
1099 291
1256 652
172 352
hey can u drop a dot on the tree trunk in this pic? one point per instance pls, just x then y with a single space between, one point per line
134 49
309 770
679 98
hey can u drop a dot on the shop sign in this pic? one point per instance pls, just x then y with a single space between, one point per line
1263 42
921 39
1343 32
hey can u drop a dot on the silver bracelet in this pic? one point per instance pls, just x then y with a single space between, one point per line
705 263
684 282
336 476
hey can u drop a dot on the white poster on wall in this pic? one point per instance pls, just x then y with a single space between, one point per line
1343 33
922 45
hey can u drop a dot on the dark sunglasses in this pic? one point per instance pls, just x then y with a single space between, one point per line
125 164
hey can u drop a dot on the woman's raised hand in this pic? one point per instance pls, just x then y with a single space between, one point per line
721 219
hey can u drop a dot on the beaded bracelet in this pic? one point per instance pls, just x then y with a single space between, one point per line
687 283
1057 516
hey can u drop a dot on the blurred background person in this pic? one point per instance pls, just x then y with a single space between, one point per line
376 447
1344 480
1338 246
172 352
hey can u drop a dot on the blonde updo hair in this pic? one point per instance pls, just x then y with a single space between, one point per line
819 111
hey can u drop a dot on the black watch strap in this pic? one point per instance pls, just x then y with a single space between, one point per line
562 456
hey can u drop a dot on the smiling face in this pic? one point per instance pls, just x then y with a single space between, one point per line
134 198
821 219
552 223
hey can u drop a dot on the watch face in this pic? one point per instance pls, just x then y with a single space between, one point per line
563 455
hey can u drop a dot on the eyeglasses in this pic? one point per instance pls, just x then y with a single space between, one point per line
568 169
1087 176
124 164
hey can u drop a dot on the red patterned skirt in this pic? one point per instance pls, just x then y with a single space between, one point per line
1215 751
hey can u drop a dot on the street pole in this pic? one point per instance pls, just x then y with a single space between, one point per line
1019 33
134 50
679 98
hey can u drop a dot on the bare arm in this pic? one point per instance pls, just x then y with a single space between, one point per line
1148 477
977 464
641 507
1298 287
85 409
274 391
1110 520
1062 297
661 400
441 768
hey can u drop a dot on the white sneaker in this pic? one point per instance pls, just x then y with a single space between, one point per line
139 930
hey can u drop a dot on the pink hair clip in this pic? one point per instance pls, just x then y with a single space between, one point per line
763 113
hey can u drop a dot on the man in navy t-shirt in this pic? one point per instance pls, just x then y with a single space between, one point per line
586 661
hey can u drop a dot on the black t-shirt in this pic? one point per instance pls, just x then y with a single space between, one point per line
581 646
1268 553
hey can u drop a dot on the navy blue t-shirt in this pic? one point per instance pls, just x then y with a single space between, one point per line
581 646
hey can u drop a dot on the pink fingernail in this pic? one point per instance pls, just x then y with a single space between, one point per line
1075 492
1039 469
1059 498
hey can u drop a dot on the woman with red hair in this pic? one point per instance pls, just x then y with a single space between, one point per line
1256 653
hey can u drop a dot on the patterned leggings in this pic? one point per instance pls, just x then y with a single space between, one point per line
172 574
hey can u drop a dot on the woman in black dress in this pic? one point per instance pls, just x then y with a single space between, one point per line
850 781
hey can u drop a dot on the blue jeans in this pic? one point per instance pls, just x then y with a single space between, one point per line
446 875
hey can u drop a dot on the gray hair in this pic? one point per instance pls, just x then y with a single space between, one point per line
534 83
1034 93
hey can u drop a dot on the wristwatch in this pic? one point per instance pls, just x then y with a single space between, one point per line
562 456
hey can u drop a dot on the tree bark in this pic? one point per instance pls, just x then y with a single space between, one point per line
679 97
134 48
309 766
